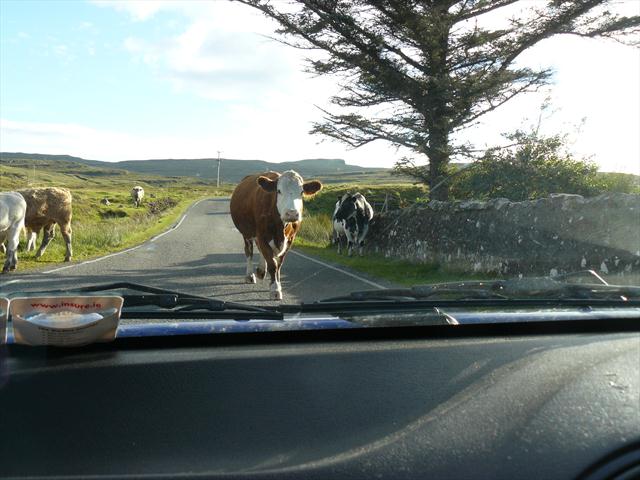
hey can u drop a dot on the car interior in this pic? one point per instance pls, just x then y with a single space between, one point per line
546 400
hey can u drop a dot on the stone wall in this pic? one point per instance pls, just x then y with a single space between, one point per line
559 234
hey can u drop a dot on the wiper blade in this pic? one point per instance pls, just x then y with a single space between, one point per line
533 291
173 303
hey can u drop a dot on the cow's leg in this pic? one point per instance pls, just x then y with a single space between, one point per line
13 239
248 251
361 235
65 230
261 271
47 236
32 237
273 267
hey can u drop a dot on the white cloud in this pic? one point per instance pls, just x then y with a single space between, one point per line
222 54
139 10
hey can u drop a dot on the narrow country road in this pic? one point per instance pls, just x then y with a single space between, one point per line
203 255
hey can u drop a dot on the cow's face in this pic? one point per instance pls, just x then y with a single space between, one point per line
290 188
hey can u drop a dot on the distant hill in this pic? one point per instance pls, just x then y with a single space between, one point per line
65 171
231 171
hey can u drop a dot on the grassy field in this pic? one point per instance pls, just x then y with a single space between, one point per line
100 229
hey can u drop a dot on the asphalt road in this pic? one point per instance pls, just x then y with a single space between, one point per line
202 255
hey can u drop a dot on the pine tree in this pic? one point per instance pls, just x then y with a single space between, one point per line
433 67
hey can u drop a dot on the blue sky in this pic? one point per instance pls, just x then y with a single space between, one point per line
116 80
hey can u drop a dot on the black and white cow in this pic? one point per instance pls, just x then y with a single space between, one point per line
351 218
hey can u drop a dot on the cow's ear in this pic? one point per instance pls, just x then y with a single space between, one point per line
312 187
267 184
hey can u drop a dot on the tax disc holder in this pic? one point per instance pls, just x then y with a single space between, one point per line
67 321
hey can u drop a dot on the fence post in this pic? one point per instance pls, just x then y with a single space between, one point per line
385 205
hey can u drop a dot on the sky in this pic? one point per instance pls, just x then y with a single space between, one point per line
121 80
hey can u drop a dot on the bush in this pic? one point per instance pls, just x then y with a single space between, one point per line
534 168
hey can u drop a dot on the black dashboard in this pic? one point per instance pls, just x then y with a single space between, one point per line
497 402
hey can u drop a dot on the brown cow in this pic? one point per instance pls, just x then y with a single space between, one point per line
47 206
267 209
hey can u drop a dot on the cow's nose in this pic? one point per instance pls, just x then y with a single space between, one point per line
292 215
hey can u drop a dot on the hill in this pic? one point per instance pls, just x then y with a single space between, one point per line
232 171
65 171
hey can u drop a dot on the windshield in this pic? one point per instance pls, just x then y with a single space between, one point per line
245 160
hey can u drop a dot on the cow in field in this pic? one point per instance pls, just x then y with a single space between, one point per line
351 219
137 194
267 209
13 209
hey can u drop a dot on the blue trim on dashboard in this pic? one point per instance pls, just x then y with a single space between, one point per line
227 326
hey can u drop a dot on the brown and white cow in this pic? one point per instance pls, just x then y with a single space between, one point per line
267 209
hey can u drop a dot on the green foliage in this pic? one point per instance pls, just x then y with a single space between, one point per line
408 168
620 182
536 167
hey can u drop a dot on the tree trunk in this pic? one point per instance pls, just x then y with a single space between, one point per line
438 95
438 186
438 161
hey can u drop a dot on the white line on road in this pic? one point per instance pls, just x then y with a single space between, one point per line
86 262
369 282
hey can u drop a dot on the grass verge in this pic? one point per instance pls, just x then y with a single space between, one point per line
400 272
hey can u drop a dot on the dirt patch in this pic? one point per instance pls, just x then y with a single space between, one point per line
112 213
161 204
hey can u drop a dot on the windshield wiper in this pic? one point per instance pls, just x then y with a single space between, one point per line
173 304
525 292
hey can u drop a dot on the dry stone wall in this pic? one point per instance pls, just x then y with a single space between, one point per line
559 234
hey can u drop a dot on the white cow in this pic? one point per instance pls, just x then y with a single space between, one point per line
137 193
13 209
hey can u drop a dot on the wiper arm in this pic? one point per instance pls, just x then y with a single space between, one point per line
170 299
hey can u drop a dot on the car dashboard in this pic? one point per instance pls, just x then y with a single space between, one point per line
503 401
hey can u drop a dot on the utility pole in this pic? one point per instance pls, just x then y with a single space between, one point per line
218 178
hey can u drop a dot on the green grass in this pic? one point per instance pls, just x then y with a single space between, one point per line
397 271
